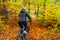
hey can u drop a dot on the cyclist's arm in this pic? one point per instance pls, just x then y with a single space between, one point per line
28 17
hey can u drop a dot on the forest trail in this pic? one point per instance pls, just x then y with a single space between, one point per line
36 33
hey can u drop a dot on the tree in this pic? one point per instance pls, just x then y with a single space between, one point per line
5 11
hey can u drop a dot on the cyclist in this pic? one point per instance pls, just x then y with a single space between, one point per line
23 21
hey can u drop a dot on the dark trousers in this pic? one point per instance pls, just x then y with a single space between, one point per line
23 24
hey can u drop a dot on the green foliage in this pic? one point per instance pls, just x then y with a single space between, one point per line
1 25
47 10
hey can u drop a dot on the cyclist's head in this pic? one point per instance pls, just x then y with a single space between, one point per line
22 10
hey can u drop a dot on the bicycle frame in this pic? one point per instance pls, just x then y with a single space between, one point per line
19 36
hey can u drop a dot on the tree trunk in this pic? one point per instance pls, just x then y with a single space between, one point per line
5 12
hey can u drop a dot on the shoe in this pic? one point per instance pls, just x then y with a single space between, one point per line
24 32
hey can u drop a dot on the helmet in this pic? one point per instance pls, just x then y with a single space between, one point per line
22 9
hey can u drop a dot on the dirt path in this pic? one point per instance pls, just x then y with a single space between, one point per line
36 33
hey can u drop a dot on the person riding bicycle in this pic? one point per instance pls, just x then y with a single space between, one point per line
23 21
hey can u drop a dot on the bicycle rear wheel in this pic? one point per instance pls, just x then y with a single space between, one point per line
23 37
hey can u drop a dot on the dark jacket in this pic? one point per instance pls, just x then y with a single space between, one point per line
22 16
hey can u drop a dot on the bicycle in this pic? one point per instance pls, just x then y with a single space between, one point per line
23 36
